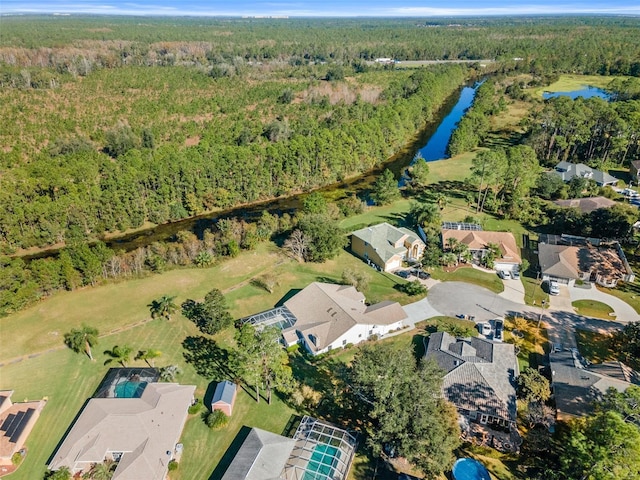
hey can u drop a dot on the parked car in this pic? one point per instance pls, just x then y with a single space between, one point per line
485 328
498 329
515 274
554 288
421 274
402 273
504 274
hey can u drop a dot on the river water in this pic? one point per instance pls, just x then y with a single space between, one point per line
431 143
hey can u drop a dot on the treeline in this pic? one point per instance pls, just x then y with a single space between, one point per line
74 192
596 45
587 130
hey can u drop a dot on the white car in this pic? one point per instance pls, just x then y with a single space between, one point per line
504 274
485 328
554 288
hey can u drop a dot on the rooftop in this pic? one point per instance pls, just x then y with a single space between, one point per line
386 239
568 170
479 240
586 205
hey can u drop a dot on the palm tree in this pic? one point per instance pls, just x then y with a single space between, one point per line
118 354
102 471
441 200
147 355
425 213
163 308
168 373
82 340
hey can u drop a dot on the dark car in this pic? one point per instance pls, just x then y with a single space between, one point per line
497 330
402 273
421 274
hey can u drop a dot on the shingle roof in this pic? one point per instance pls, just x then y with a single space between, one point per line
262 456
326 311
224 392
586 205
479 240
567 171
482 381
558 260
575 388
145 428
383 238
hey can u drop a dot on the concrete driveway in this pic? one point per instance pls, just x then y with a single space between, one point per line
561 301
513 291
418 311
625 313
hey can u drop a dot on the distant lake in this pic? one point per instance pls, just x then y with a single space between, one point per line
586 91
436 147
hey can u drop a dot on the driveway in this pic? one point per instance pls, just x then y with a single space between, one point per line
418 311
625 313
562 301
513 291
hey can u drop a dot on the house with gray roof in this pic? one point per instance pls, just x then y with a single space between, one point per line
318 451
567 171
480 379
587 204
576 385
386 246
329 316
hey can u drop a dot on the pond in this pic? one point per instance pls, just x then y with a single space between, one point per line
587 91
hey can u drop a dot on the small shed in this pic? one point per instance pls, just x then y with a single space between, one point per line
224 397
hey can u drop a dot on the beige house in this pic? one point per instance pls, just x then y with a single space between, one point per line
603 264
140 434
478 242
329 316
16 422
386 246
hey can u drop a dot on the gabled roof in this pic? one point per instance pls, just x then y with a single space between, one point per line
144 428
559 260
576 387
480 374
384 237
324 312
262 456
479 240
586 205
568 170
224 392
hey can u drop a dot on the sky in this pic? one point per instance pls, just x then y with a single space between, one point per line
323 8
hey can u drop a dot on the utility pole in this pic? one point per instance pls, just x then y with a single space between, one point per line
544 303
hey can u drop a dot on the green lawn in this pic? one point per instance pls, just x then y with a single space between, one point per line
627 292
533 292
567 83
593 308
394 214
531 341
594 346
487 280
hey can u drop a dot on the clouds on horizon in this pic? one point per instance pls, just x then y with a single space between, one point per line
374 8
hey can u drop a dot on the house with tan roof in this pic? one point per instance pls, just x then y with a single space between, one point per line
480 380
478 242
604 264
586 205
140 432
386 246
16 422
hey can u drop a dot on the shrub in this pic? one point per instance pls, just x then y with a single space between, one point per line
412 288
196 407
173 466
17 458
216 419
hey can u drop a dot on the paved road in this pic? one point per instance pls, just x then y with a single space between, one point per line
625 313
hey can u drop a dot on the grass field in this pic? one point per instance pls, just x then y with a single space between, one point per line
593 308
567 83
487 280
627 292
531 341
594 346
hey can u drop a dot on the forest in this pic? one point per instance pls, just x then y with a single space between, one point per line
114 124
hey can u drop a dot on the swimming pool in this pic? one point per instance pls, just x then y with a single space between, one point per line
130 389
469 469
322 462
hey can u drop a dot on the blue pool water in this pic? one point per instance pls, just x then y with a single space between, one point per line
469 469
130 389
321 463
584 92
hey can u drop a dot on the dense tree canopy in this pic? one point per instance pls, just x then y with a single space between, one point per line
402 403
